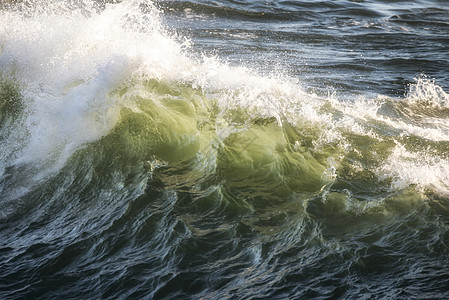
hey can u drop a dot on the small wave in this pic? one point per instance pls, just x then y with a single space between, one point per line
426 92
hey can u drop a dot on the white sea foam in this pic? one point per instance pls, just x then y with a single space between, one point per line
426 171
426 91
69 61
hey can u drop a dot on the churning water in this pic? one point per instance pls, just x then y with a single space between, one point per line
224 149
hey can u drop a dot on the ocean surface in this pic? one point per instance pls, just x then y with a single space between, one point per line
224 149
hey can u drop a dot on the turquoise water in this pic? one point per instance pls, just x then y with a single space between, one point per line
224 149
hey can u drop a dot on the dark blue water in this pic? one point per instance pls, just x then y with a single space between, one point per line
349 46
224 149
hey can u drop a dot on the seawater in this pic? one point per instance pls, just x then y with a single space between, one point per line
224 149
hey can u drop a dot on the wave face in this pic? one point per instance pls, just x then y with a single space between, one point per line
188 149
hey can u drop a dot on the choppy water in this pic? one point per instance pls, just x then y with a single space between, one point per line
224 149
